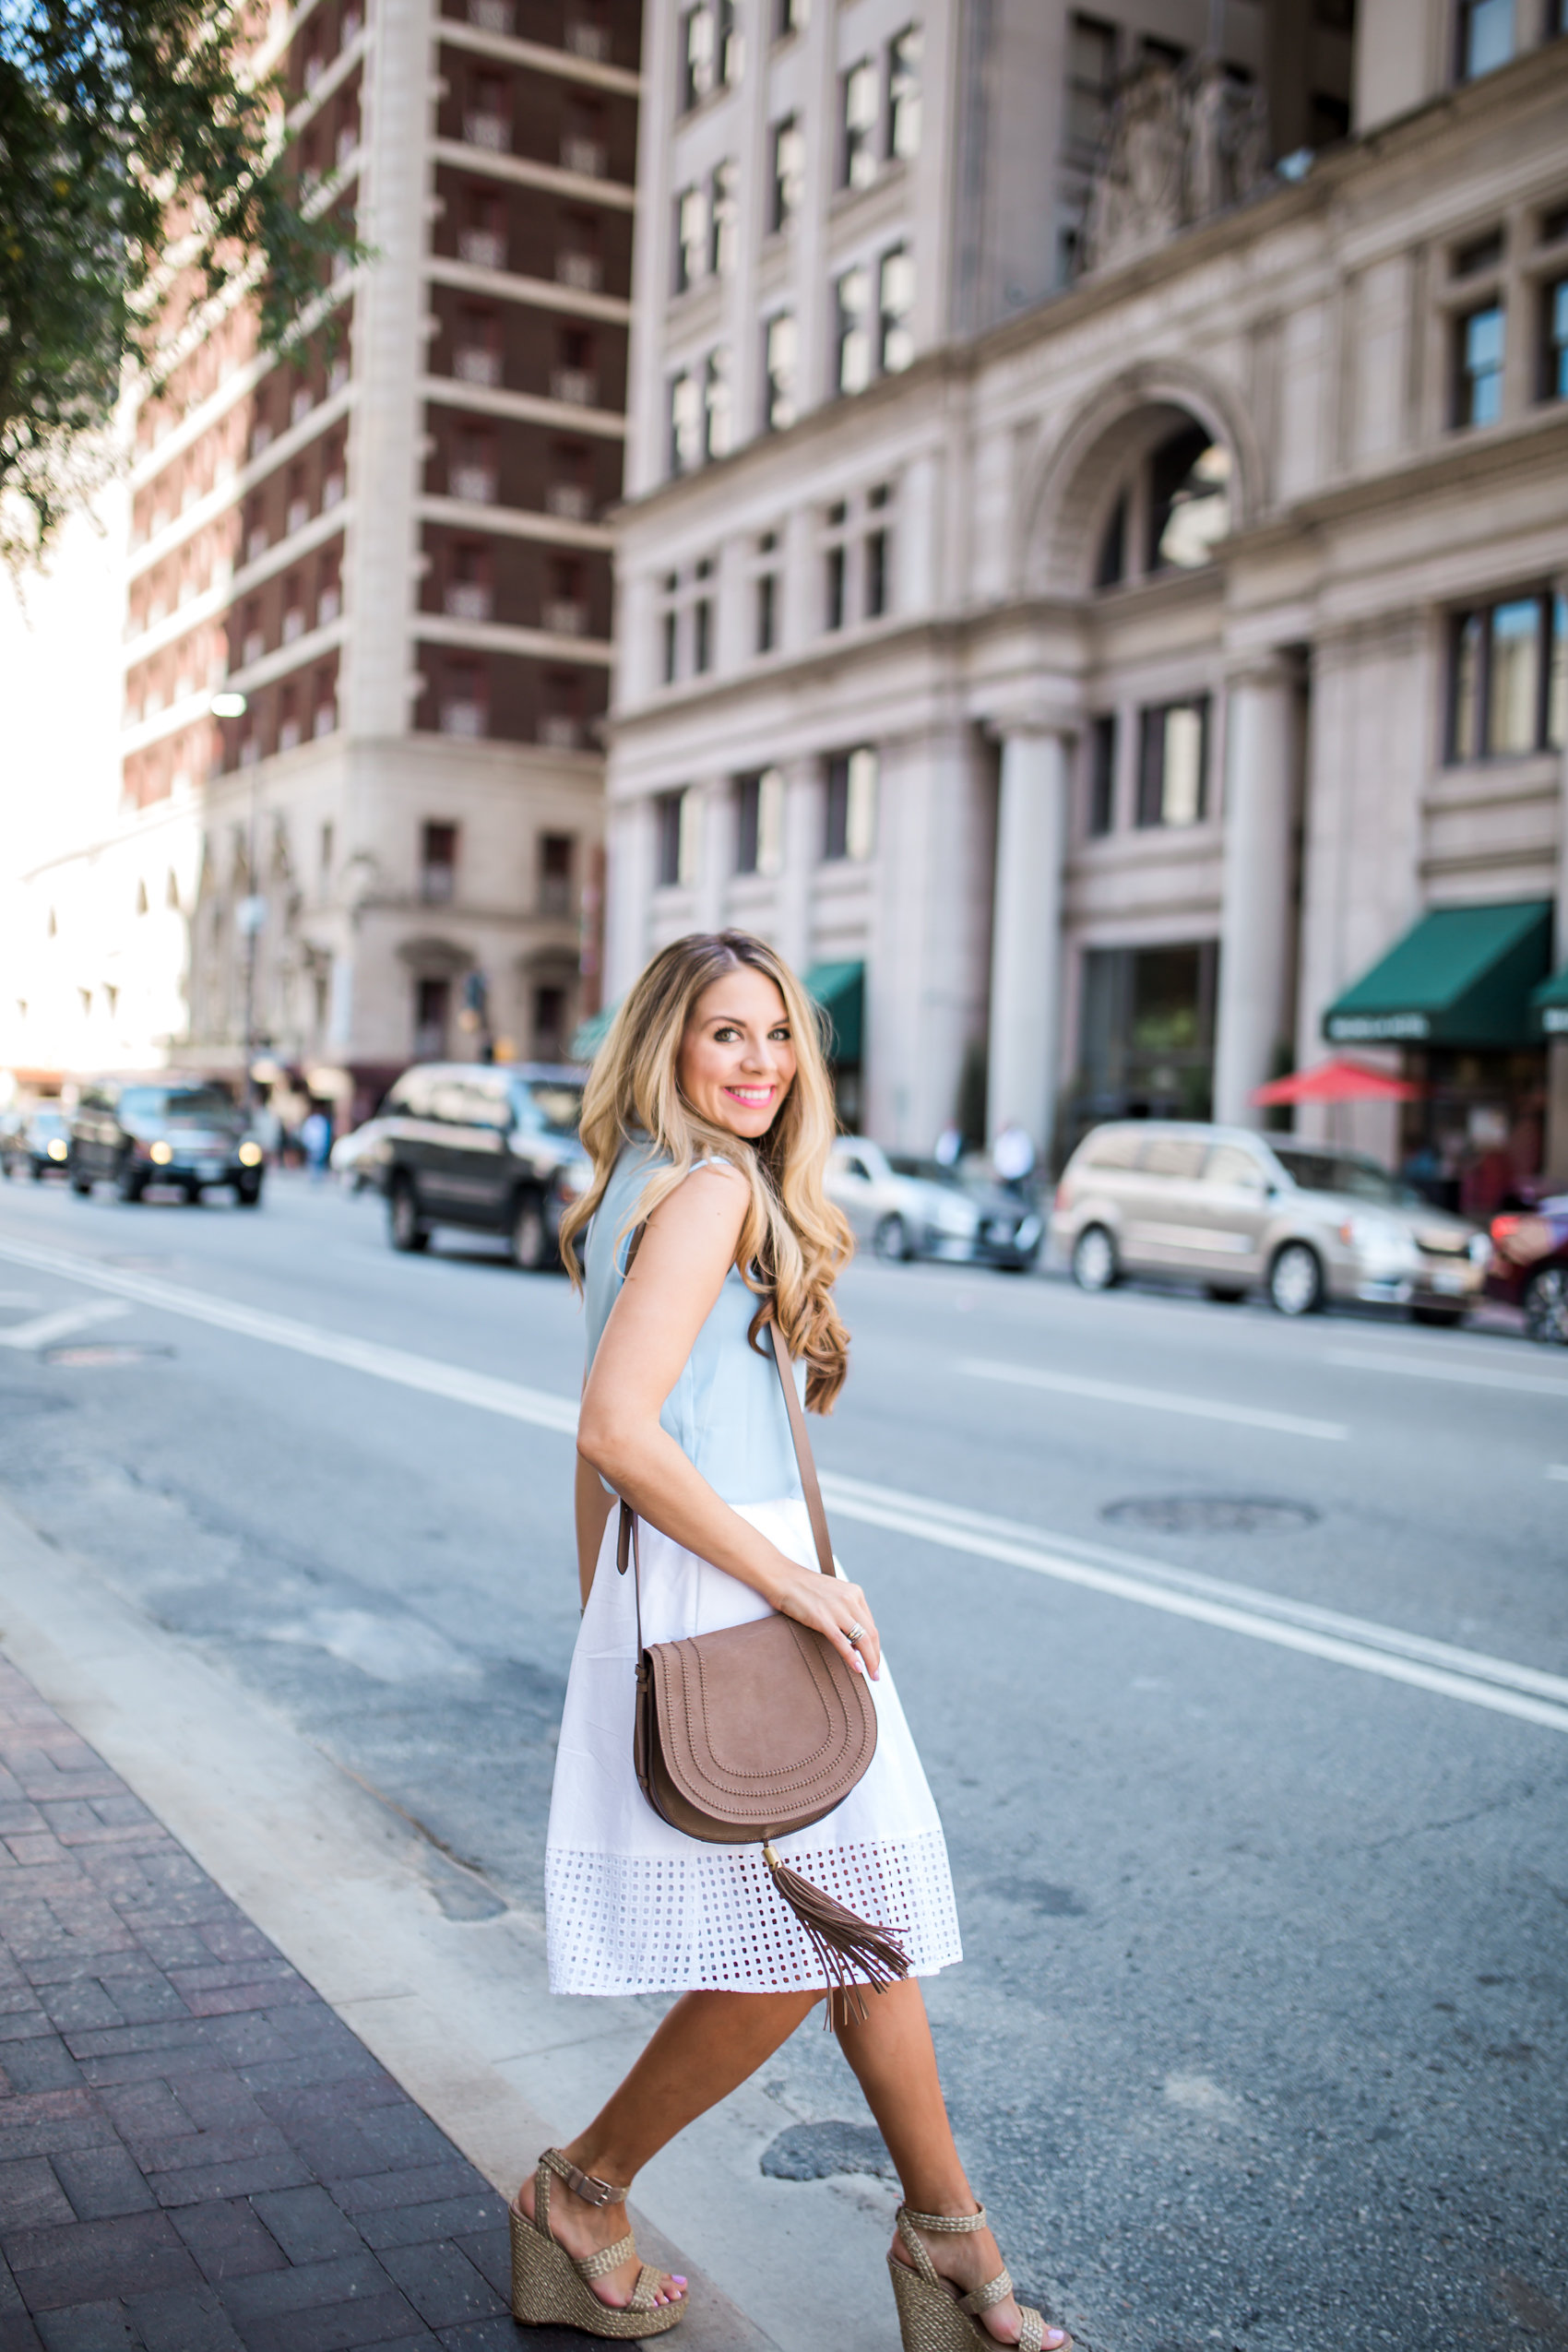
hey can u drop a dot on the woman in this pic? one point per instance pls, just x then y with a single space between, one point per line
709 1119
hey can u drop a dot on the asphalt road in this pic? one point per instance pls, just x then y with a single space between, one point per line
1235 1649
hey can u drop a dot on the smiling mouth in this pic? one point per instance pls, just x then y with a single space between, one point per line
752 1097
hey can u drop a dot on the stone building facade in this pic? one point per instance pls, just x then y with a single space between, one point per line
384 555
1110 686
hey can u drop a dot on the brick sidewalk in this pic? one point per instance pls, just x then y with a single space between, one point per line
196 2153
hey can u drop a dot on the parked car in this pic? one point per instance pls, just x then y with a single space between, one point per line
1530 1267
186 1131
1238 1211
907 1208
492 1148
362 1157
38 1145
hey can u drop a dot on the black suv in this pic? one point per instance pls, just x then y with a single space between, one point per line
185 1132
492 1147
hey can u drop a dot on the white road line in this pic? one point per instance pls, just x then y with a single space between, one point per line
44 1330
962 1529
1465 1375
307 1339
1477 1680
1152 1400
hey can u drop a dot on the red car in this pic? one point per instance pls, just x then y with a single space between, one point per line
1530 1267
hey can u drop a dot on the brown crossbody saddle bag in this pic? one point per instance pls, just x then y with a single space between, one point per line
746 1734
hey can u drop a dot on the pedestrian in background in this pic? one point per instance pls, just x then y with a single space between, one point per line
316 1138
1013 1155
948 1147
709 1116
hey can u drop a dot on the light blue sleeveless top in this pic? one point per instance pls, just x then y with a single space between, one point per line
724 1412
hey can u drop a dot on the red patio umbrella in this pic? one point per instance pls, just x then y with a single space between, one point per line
1339 1080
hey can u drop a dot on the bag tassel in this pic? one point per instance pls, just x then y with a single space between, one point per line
848 1948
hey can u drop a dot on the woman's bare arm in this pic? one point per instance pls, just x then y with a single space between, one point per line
686 1251
593 1506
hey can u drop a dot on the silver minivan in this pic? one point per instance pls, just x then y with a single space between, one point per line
1238 1211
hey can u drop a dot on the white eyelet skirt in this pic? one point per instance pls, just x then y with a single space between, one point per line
633 1906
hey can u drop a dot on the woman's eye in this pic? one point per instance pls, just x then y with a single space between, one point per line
725 1036
778 1037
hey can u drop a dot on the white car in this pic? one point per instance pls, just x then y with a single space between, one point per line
915 1208
360 1157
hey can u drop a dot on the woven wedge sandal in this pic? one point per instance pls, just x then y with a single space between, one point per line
933 2316
552 2288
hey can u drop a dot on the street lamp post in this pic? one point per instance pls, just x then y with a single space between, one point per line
251 913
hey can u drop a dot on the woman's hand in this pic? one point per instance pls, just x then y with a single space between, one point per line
831 1606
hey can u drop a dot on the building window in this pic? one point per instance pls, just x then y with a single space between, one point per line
724 217
852 302
691 237
710 51
569 490
702 619
1555 341
560 720
718 418
857 137
904 95
1509 678
1478 346
463 704
1102 775
438 864
1091 78
550 1023
475 357
565 605
433 1005
555 873
790 15
1173 756
877 582
768 592
685 423
579 261
468 593
1189 500
780 348
789 181
576 379
759 822
851 805
896 302
676 818
1486 36
836 568
669 630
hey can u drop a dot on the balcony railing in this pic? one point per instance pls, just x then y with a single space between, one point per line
474 364
467 600
483 248
570 500
575 386
591 41
476 484
492 131
583 271
588 158
566 616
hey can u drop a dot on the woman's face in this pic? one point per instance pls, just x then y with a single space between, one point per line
737 1058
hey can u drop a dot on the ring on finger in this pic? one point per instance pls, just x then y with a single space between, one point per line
856 1635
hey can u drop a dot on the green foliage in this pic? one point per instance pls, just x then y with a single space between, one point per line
130 130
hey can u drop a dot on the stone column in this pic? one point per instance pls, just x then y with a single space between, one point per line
1255 938
1025 956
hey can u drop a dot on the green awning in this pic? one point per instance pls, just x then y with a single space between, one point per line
841 990
1550 1004
1462 976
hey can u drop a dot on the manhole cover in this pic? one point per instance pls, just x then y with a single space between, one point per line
103 1351
1211 1515
816 2151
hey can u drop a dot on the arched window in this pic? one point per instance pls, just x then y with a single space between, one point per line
1171 510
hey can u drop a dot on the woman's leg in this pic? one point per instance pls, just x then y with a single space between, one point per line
705 2048
892 2056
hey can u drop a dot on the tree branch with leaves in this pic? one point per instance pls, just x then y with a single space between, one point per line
145 170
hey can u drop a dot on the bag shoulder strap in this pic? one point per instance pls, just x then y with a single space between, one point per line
802 1446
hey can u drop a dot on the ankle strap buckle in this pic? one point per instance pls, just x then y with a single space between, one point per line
585 2185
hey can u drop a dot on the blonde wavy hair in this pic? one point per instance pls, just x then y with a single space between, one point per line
793 1243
